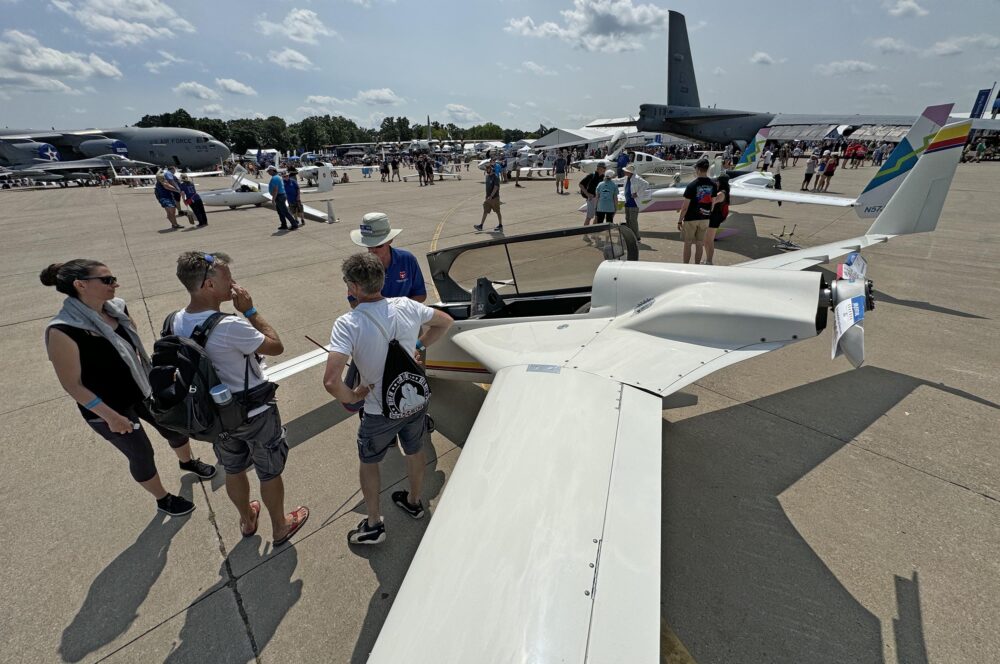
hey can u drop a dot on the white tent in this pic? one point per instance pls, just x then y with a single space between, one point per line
569 137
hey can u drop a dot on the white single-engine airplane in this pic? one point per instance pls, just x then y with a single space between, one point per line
545 546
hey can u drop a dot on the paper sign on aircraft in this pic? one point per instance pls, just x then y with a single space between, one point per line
847 314
854 267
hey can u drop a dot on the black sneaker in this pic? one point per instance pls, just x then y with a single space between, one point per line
174 505
402 500
498 229
199 468
478 227
365 534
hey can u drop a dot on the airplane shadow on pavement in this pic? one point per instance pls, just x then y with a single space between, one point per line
113 600
739 582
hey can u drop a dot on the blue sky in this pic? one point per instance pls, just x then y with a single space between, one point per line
104 63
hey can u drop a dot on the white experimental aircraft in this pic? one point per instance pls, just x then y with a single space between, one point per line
245 191
545 545
615 145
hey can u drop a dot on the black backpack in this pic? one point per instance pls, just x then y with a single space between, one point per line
404 383
181 379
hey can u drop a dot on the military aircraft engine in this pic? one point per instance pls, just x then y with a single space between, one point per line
96 147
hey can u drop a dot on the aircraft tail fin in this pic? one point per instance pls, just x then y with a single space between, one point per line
916 205
755 148
616 144
895 168
682 87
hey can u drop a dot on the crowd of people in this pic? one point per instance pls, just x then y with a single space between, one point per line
100 360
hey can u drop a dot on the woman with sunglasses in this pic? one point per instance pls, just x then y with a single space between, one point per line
100 362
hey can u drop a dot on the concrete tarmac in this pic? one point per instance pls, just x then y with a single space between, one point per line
811 512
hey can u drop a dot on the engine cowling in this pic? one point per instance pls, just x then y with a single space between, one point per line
95 147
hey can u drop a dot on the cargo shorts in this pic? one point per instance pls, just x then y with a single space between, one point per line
378 433
258 442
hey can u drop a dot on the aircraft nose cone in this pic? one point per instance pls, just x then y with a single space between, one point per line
219 149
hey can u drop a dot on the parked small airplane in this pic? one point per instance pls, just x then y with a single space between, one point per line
615 145
565 562
245 191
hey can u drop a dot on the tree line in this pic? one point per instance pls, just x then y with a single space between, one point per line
314 132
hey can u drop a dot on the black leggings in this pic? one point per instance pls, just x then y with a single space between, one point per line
605 217
136 446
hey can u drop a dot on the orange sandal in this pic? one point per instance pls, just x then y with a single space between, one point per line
299 517
255 506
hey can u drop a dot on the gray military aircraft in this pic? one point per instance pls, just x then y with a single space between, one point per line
683 114
163 146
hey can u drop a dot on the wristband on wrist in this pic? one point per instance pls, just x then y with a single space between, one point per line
420 345
250 312
93 404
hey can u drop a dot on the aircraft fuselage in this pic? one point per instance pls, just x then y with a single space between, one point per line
705 125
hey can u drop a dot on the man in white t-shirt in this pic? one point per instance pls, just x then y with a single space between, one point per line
357 334
232 347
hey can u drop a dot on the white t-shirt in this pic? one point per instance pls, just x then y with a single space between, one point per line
355 335
228 345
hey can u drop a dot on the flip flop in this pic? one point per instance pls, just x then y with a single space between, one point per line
255 506
299 517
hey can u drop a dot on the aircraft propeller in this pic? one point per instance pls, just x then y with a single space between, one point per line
850 296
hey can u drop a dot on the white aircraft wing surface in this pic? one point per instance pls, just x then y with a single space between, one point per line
765 194
546 545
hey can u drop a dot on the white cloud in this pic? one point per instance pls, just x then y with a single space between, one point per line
889 45
250 57
626 86
537 69
28 66
956 45
233 86
378 97
531 104
512 104
905 8
880 89
289 58
461 114
611 26
212 109
842 67
718 71
196 90
126 22
323 100
761 58
299 25
166 59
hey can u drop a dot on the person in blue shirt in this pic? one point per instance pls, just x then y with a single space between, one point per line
193 200
164 191
622 162
294 196
277 190
607 199
403 277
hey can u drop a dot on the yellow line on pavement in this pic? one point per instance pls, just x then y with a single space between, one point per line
672 651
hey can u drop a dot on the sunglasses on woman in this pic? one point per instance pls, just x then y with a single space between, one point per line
107 281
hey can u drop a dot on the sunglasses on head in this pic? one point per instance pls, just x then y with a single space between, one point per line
109 280
209 262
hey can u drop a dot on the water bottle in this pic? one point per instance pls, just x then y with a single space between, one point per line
221 395
230 411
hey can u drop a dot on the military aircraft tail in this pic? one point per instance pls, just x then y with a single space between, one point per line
892 172
753 151
682 87
917 203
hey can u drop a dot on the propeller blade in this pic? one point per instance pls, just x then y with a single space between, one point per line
852 344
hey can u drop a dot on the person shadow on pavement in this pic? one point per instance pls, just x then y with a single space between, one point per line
113 600
265 594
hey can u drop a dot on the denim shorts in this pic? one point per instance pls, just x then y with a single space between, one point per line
377 434
259 442
166 202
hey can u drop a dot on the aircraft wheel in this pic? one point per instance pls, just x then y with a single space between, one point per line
232 207
257 204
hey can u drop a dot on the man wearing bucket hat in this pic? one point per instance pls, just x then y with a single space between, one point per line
403 277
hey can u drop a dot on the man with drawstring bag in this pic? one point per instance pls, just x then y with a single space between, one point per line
383 336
